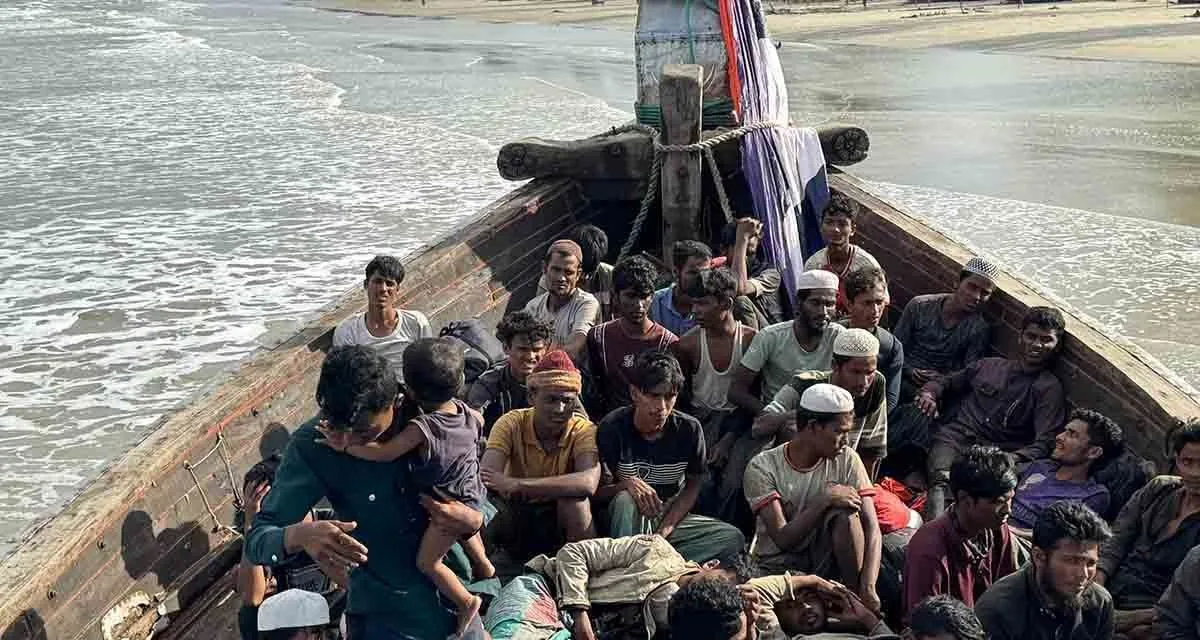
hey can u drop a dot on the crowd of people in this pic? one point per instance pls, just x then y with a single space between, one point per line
689 462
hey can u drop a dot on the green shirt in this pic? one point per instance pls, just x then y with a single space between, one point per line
382 499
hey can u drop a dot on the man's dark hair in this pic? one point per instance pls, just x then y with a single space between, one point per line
983 472
263 471
841 205
522 323
1184 434
355 383
741 564
728 235
283 634
862 280
1047 318
593 242
806 416
635 273
1073 521
654 367
388 267
944 614
1102 432
718 283
706 609
433 370
685 250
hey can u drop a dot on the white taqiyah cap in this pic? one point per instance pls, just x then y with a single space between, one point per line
856 343
982 268
293 609
817 279
827 398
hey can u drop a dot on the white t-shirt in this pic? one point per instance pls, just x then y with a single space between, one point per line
578 315
776 355
859 259
411 326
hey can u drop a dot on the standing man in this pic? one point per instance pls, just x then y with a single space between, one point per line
502 388
968 547
1055 596
1017 404
571 311
808 496
671 307
384 327
867 295
656 462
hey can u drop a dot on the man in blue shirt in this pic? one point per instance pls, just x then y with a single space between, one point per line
671 307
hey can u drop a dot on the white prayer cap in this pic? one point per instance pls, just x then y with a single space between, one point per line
827 398
817 279
982 268
856 343
293 609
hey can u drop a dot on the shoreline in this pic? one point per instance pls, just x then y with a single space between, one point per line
1108 30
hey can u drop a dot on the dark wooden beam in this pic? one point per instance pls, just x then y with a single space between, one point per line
681 93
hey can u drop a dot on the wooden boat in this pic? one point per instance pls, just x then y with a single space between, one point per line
144 549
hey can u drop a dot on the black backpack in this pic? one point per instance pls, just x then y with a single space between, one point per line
481 349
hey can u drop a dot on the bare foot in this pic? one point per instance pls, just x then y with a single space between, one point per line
483 569
467 614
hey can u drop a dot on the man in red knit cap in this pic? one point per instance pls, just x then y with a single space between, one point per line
542 465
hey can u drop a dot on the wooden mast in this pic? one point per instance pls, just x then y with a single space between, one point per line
681 97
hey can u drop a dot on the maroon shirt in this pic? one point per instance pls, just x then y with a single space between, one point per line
939 561
610 359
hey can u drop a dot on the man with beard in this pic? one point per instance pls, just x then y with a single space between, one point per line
867 296
757 300
571 311
941 333
966 549
501 388
1152 535
614 346
655 464
1055 596
671 307
1016 404
596 276
855 353
385 328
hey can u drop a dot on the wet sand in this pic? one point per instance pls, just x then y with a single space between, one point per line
1123 30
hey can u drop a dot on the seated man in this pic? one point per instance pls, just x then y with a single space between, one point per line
571 311
671 307
541 465
757 301
385 328
655 463
1177 614
294 614
941 333
380 504
597 274
867 296
1055 595
805 494
1088 441
1017 404
610 585
854 356
613 347
968 547
1152 535
502 388
840 255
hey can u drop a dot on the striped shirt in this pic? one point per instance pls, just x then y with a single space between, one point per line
663 463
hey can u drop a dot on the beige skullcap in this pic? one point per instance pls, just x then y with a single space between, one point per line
856 343
827 398
817 279
982 268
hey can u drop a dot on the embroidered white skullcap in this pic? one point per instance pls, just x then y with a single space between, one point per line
982 268
827 398
856 343
817 279
293 609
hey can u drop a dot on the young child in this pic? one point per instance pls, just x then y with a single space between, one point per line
442 437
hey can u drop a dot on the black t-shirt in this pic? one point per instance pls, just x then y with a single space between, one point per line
663 463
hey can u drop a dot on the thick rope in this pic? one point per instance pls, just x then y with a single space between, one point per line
704 147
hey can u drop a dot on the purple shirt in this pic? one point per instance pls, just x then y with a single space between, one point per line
1039 489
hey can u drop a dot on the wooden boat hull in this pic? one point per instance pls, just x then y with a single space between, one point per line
143 545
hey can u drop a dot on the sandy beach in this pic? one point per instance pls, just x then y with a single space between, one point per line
1119 30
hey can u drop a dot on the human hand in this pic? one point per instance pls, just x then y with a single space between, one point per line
720 452
751 604
870 599
499 482
582 627
819 584
769 424
848 607
253 494
646 498
328 543
843 497
927 403
748 228
450 515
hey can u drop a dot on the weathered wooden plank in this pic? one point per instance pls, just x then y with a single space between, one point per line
680 97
